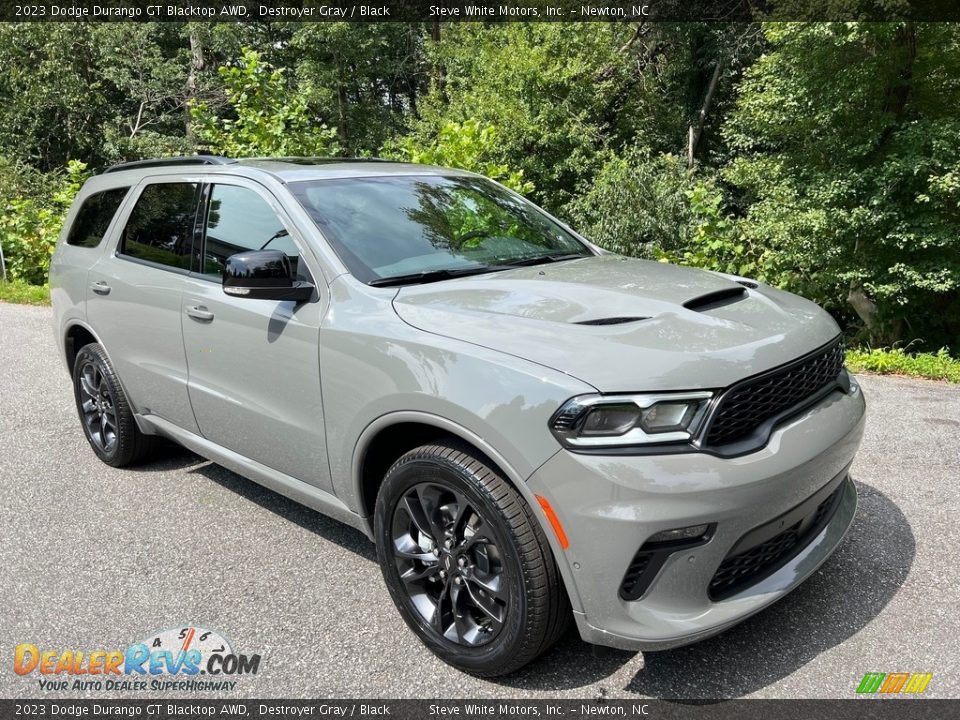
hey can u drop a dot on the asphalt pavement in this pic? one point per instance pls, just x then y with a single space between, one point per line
97 558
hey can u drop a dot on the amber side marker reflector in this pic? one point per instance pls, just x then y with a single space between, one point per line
554 521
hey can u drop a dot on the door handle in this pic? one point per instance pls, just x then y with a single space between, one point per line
199 312
100 288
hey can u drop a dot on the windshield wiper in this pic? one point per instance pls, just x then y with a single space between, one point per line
431 276
542 259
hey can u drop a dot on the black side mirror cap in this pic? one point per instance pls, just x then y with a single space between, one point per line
263 275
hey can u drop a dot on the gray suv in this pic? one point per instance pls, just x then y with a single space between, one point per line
530 429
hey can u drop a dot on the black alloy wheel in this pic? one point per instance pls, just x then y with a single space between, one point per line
466 561
105 413
96 407
448 558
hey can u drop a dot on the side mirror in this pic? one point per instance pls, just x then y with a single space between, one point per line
263 275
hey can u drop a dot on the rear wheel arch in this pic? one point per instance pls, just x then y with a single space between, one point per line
75 338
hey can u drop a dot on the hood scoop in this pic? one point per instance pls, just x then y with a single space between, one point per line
612 320
716 299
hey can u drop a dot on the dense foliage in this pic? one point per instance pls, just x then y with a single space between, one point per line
824 158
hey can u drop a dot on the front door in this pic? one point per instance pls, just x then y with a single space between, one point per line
254 365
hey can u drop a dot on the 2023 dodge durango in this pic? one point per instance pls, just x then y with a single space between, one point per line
529 428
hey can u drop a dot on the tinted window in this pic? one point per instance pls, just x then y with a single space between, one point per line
94 217
160 228
391 226
239 219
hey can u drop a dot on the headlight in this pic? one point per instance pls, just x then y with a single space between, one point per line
598 421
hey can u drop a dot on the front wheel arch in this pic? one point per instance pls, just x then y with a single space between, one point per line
434 427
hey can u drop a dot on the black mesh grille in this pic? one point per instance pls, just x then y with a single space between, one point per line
747 406
745 568
634 573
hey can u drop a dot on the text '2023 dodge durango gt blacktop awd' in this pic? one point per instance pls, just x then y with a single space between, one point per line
530 429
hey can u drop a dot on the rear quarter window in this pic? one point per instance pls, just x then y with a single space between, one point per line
94 217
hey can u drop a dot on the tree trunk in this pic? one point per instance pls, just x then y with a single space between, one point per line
696 129
197 65
439 75
865 308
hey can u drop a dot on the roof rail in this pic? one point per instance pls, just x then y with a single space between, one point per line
315 160
164 162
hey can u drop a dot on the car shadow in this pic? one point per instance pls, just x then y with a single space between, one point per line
838 601
589 662
329 529
168 455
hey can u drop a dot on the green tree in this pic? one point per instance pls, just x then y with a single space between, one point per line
468 146
637 204
364 78
267 116
537 84
847 159
54 101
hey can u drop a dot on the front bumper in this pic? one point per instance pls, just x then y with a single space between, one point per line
610 505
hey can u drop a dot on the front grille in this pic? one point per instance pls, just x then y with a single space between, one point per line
747 406
739 571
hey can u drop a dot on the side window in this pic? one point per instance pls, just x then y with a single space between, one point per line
94 217
161 225
239 219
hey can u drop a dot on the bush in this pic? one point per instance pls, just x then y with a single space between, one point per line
638 205
934 366
652 206
29 226
467 146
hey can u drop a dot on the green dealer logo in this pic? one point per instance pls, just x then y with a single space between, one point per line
902 682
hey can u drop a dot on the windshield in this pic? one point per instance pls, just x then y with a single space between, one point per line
397 227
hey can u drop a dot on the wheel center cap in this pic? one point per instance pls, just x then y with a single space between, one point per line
448 563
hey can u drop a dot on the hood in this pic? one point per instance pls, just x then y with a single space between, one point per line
621 324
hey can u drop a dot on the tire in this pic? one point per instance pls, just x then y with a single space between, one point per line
105 413
501 599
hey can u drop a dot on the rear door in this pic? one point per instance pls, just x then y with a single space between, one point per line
254 365
134 298
89 224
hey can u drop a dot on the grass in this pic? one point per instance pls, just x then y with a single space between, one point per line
933 366
22 293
